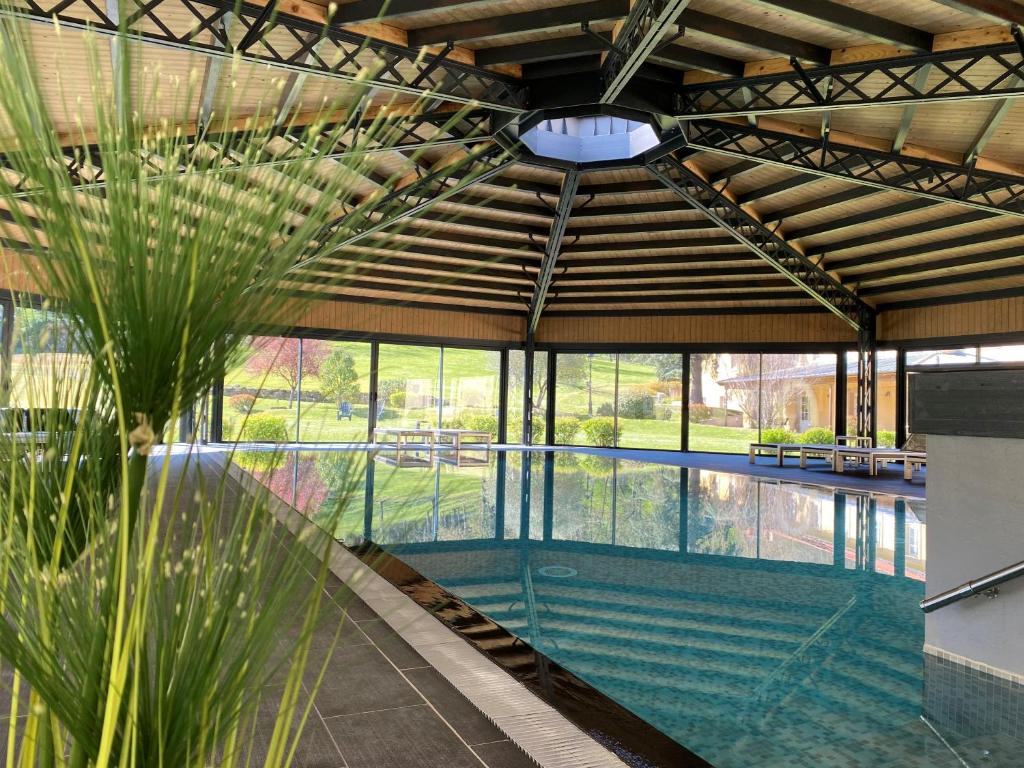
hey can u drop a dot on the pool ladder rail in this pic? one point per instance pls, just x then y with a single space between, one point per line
987 585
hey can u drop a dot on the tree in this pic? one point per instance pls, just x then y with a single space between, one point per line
277 356
338 378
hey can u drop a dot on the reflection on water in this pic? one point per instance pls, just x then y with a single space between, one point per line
755 622
593 499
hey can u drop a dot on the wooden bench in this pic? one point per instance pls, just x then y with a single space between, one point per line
911 460
805 451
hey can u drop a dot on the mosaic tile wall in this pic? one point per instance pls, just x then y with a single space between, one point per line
972 699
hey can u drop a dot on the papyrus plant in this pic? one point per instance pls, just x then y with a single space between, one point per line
142 601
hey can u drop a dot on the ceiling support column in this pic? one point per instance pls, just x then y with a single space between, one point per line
570 184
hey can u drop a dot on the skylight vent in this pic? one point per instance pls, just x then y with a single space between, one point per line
590 139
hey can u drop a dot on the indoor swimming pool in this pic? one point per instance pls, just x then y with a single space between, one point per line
754 622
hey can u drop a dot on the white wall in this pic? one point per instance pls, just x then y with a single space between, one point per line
976 525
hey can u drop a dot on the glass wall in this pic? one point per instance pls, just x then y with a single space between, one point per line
261 391
46 371
650 401
334 404
585 398
538 418
516 380
471 379
408 386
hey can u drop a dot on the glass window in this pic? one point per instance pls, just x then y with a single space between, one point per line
261 391
538 418
407 386
585 399
514 417
335 391
798 398
470 389
724 402
650 401
885 394
46 370
1013 353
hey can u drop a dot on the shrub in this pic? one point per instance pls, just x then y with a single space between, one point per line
777 435
396 400
699 413
537 438
264 428
637 405
241 403
600 431
886 438
817 436
606 409
566 428
483 422
663 411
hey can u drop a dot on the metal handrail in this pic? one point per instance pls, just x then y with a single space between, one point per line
986 585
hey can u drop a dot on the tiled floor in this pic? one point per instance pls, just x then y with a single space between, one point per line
382 706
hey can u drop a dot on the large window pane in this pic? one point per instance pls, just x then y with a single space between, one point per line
516 377
585 399
724 402
1013 353
335 391
650 401
538 418
798 398
407 386
261 391
46 370
885 403
470 389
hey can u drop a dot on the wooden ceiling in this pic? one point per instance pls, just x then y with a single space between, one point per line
631 245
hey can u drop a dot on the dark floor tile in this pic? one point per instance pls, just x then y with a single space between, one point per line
413 737
316 747
359 679
504 754
468 721
343 597
394 647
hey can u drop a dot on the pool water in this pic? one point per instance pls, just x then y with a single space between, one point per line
752 621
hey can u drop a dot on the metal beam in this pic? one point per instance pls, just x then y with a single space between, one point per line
945 182
527 21
844 19
763 242
379 10
333 141
754 37
407 202
314 47
570 183
642 32
983 72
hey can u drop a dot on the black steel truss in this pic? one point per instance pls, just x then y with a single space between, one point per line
642 32
763 242
409 201
944 182
285 42
553 247
984 72
84 164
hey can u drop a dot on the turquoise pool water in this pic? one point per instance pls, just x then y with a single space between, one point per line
754 622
